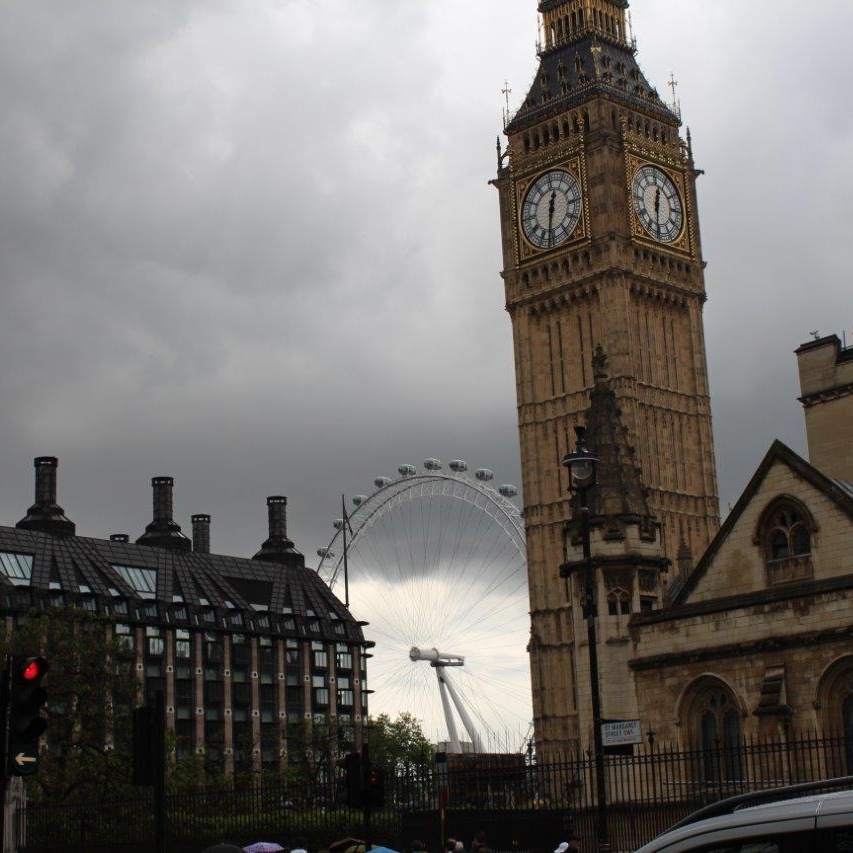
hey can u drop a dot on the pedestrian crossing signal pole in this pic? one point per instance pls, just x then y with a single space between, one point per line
368 806
5 679
22 698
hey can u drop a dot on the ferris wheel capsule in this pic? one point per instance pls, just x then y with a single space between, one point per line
358 500
325 552
508 490
484 474
338 524
458 465
381 482
432 464
407 470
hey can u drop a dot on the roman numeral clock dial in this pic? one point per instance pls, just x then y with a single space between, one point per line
657 204
551 209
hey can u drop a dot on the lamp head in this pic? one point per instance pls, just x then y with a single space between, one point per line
582 464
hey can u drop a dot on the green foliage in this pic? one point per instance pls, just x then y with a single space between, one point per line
91 690
399 747
88 752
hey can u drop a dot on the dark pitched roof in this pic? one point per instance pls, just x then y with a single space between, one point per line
192 588
574 73
837 491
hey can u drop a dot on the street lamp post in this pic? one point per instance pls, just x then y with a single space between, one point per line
583 471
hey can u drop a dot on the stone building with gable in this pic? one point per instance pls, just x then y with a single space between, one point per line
754 638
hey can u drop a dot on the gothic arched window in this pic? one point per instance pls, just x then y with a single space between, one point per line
785 538
619 602
714 720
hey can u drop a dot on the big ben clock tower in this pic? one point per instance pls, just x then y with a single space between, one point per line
601 249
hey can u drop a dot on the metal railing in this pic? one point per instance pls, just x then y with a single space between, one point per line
524 804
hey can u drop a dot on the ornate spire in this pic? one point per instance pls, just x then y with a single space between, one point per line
619 493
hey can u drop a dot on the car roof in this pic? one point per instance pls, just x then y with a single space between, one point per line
787 815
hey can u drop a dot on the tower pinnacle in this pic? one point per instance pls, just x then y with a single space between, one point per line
569 21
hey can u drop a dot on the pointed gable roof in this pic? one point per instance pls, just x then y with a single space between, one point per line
840 493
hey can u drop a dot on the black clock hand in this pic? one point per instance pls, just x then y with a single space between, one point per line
551 216
657 209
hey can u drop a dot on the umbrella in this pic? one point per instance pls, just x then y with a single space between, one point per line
263 847
224 848
382 850
347 845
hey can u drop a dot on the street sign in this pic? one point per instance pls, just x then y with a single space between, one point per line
24 759
621 733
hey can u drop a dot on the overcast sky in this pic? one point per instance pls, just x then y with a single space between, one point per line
251 245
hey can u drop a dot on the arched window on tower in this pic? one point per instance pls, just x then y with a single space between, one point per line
618 602
785 537
714 720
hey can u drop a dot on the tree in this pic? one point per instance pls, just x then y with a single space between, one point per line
91 692
399 747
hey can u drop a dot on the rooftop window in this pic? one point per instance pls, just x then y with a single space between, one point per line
142 581
17 567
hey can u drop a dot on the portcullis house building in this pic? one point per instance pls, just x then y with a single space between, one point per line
249 653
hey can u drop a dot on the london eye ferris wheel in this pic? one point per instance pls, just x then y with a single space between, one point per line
435 560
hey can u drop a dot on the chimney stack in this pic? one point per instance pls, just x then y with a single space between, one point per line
278 548
45 514
201 533
163 532
277 515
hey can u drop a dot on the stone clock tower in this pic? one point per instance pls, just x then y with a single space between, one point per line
601 249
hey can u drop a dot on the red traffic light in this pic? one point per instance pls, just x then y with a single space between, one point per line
32 669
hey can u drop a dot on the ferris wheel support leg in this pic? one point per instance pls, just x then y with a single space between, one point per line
455 745
476 743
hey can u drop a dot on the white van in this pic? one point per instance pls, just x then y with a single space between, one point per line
767 822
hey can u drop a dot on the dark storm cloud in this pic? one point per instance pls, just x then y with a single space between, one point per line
252 245
238 247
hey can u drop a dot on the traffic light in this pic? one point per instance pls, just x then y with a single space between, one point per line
351 764
26 724
374 789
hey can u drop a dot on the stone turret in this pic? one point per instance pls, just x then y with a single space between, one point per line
627 554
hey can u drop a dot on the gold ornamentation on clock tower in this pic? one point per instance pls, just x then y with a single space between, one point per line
601 248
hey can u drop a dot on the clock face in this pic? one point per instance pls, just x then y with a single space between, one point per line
551 209
658 204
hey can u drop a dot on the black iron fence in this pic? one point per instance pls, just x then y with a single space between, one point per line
520 803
